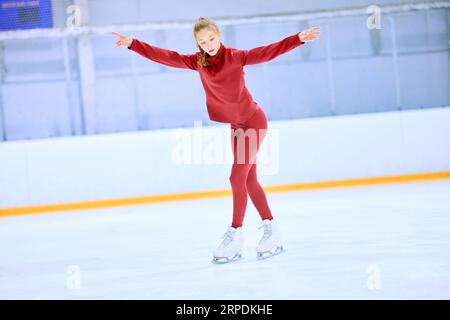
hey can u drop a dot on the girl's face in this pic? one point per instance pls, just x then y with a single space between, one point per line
208 40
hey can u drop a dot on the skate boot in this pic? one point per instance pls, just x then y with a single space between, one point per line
270 243
231 247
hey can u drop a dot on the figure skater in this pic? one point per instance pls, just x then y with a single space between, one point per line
228 101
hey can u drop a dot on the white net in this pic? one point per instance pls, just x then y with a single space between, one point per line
314 15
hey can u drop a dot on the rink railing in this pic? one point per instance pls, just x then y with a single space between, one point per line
315 15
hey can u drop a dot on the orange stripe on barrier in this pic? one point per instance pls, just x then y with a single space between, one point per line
75 206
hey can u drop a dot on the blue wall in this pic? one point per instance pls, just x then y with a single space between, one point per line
357 74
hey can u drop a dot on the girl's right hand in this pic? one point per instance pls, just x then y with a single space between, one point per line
122 40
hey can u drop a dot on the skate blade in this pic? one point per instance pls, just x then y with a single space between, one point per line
269 254
237 257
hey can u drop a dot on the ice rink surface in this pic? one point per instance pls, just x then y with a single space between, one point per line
387 241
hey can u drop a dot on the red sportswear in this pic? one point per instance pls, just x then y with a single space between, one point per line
227 97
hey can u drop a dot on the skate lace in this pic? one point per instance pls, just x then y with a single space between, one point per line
267 231
228 237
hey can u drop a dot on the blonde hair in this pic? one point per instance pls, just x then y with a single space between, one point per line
201 24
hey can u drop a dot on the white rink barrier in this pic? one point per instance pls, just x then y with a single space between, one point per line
116 166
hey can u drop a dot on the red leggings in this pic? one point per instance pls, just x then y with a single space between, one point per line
246 139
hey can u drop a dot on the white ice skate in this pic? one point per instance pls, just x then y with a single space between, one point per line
270 243
231 247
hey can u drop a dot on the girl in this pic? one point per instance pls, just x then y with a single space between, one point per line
228 101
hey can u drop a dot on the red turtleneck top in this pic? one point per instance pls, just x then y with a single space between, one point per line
227 97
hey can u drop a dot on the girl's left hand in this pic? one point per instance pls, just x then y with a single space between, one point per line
309 35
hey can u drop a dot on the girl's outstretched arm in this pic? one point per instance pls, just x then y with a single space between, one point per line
271 51
167 57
